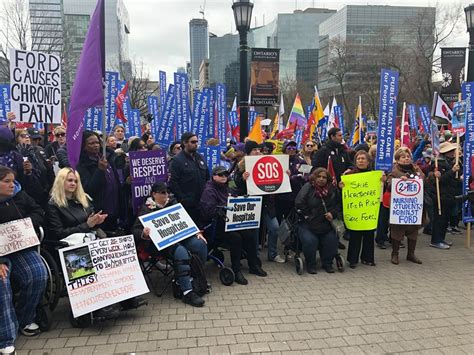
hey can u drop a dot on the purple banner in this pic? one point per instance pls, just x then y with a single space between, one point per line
146 168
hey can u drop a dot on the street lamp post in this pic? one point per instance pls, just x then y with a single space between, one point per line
243 16
469 10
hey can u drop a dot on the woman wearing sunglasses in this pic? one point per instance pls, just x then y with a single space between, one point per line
307 153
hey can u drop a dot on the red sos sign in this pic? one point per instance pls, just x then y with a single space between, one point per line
268 174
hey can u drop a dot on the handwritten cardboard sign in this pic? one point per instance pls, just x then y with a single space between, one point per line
243 213
169 225
101 273
17 235
361 200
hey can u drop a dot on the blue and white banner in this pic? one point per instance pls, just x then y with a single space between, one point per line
412 116
243 213
162 90
181 88
339 113
425 118
135 125
252 118
299 136
323 126
387 119
371 127
202 118
211 126
5 105
154 110
197 103
467 90
111 92
212 155
165 133
93 119
221 114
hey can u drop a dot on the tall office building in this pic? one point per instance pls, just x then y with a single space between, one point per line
77 16
199 47
364 31
307 61
46 26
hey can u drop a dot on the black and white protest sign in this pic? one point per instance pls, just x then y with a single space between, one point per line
35 83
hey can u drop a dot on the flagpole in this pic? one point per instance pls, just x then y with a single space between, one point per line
104 119
402 130
360 120
436 157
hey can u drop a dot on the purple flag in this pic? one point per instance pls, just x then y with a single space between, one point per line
88 88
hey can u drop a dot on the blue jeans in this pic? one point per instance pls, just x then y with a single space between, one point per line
272 228
29 274
310 242
181 259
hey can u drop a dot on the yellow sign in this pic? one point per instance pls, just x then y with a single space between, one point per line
361 200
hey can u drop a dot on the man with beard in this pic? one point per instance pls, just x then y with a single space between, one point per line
188 175
334 149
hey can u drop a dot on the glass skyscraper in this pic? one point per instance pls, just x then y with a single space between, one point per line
199 47
46 26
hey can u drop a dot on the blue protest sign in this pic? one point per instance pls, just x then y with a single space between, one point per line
339 113
181 89
467 91
371 127
323 126
412 116
5 106
252 118
221 114
197 105
203 118
110 93
211 126
153 110
93 119
165 133
162 90
137 127
425 118
212 156
387 118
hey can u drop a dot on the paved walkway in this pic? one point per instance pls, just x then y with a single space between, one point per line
425 308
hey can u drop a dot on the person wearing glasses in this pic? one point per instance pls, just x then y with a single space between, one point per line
174 149
211 205
57 151
70 209
188 175
308 151
161 198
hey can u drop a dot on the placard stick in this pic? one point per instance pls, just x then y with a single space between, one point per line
468 236
457 152
437 187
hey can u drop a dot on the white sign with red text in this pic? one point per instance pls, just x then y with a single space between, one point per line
268 174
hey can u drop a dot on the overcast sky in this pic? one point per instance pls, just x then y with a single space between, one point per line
159 29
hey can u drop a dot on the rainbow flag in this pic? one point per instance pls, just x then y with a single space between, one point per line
297 113
356 134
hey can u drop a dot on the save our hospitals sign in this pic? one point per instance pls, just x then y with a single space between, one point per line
268 174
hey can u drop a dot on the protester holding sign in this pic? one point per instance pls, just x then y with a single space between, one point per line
319 202
159 199
367 206
212 206
23 267
100 179
449 187
404 169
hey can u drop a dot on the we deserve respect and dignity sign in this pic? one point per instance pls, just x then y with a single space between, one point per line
361 200
35 86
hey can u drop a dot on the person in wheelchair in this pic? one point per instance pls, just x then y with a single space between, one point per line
23 268
180 252
213 198
70 209
319 204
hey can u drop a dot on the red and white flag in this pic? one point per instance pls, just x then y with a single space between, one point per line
119 100
442 109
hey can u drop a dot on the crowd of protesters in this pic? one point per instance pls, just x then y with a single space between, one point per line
37 182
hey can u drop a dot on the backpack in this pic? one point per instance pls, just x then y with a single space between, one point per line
199 280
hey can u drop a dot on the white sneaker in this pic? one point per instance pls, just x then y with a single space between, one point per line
30 330
278 259
10 350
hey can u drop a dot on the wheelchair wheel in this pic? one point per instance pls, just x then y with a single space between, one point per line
44 317
55 284
80 322
299 265
227 276
340 263
217 253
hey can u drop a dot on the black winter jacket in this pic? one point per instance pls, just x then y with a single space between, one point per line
340 158
64 221
21 206
313 209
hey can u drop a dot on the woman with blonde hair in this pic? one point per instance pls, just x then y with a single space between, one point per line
69 209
